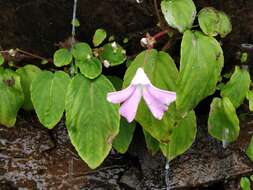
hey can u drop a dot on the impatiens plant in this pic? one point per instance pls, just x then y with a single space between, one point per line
156 92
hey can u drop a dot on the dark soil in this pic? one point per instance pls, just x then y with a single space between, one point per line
32 157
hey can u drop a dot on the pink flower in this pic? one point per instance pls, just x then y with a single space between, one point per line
156 99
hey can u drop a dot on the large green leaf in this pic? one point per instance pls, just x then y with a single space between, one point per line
27 74
179 14
11 98
237 87
249 150
182 137
162 71
92 121
245 183
223 123
48 96
200 67
125 136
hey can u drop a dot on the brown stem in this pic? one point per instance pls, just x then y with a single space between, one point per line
158 13
33 55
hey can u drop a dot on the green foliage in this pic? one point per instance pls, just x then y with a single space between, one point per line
11 98
62 57
48 96
90 67
151 143
27 74
183 135
245 183
81 51
179 14
200 67
75 22
92 121
249 150
124 138
99 37
113 53
250 98
1 59
244 57
213 22
162 71
223 123
237 87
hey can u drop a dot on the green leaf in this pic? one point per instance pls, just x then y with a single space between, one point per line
75 22
90 67
124 138
1 59
162 71
183 135
225 24
245 183
92 121
251 177
113 53
48 96
249 150
237 87
250 98
223 123
11 98
27 74
200 67
213 22
99 37
62 57
151 143
116 81
81 51
244 57
179 14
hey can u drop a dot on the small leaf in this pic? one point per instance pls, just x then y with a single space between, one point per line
1 59
179 14
223 123
244 57
200 67
225 24
162 71
92 121
90 67
11 98
27 74
183 135
99 37
124 138
249 150
237 87
44 62
245 183
250 98
151 143
48 96
62 57
81 51
251 178
113 53
75 22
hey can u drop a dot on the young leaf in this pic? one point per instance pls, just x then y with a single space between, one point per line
200 67
182 137
249 150
92 121
124 138
27 74
1 59
81 51
179 14
225 26
223 123
245 183
99 37
75 22
250 98
11 98
237 87
48 96
90 67
62 57
113 53
162 71
151 143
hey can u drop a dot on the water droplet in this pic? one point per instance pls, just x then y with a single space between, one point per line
106 63
139 1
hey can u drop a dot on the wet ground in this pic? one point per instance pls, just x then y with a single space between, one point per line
32 157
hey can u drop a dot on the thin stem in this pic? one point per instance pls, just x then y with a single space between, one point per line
160 34
73 25
32 55
158 13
